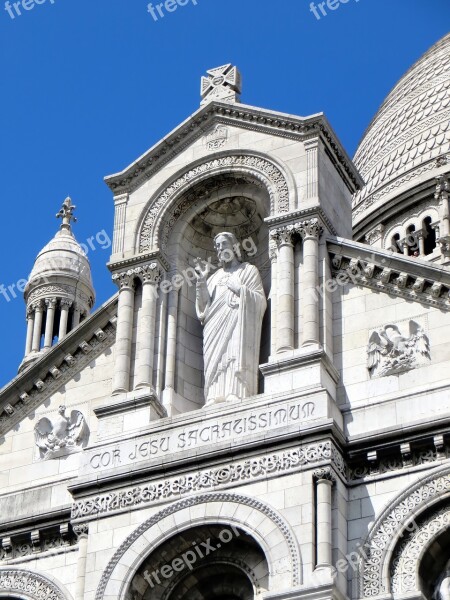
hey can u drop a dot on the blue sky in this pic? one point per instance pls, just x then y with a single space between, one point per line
88 85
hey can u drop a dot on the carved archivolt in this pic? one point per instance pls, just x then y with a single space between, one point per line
286 571
261 169
404 571
390 526
29 585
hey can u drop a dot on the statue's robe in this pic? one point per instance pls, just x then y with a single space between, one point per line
232 334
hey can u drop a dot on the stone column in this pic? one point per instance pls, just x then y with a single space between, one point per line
442 196
172 322
273 252
310 232
285 291
151 277
161 344
125 314
37 328
324 481
81 531
49 323
76 316
65 305
30 327
421 240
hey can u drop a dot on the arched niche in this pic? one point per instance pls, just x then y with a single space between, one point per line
233 194
267 534
24 584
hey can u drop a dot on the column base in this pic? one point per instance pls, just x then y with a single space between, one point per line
305 367
128 411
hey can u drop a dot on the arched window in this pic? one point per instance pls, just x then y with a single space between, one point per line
429 235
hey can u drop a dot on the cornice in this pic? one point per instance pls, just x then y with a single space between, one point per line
38 382
139 259
292 218
392 273
243 116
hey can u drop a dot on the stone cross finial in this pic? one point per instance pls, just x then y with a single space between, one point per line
66 214
223 84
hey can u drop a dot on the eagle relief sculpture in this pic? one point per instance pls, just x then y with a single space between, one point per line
389 352
61 437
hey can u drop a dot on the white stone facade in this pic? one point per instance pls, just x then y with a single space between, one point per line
332 481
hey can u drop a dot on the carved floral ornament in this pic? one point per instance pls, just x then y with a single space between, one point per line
391 525
289 234
272 178
29 585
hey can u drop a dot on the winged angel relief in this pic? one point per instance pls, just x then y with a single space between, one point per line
389 352
61 437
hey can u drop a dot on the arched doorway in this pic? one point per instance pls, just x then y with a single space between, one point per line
207 562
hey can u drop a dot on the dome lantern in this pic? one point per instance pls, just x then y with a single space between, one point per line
59 293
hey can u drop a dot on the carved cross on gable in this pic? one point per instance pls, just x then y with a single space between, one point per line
223 84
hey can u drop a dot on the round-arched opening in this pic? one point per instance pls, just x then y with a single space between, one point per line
208 562
429 235
434 566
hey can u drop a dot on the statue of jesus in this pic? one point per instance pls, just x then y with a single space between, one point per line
230 306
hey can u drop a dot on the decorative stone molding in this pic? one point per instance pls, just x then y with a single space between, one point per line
404 571
291 565
36 541
374 567
258 468
266 172
295 128
425 288
30 586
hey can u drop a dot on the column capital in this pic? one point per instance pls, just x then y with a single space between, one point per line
38 306
30 310
283 236
150 273
311 228
324 474
125 279
50 302
66 302
81 530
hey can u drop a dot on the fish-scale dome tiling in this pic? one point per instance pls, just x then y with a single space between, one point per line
410 130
